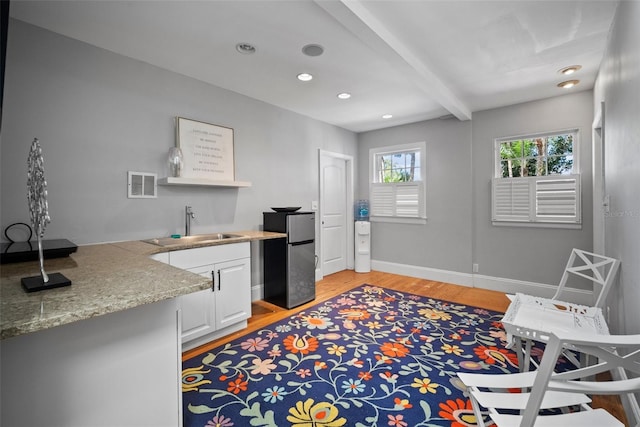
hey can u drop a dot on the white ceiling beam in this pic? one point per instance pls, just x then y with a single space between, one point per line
353 15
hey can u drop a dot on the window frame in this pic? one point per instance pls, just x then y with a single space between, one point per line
394 188
531 188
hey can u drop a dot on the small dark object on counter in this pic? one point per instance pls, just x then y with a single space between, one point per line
28 251
35 283
287 209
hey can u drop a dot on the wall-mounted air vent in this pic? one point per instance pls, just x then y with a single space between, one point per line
141 185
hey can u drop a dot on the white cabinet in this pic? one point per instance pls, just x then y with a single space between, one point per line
197 315
226 306
233 292
226 303
132 354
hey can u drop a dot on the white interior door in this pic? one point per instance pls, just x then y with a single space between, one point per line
336 197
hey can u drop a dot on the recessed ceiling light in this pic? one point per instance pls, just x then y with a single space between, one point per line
344 95
387 116
305 77
313 50
245 48
568 84
570 70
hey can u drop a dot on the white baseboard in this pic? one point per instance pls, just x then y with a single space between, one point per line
510 286
257 292
501 284
463 279
544 290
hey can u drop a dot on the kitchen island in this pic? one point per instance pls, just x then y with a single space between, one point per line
104 351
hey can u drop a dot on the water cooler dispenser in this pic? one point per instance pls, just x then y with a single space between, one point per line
362 237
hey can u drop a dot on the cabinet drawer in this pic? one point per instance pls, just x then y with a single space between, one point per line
196 257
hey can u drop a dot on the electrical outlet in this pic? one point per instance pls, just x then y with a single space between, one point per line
314 205
476 268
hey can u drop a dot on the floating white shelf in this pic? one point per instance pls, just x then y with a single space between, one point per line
202 182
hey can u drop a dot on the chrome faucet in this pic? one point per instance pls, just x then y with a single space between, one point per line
188 214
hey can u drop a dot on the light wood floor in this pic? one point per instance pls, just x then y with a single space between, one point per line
264 313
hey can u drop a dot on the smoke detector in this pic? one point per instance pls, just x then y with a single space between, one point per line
245 48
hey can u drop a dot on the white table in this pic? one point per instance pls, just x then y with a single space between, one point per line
532 318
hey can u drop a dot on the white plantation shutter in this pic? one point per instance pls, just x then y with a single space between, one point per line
398 199
511 200
408 200
382 200
539 199
557 199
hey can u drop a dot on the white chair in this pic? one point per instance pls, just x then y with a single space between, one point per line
544 389
598 270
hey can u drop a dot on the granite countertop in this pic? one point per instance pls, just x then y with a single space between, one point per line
106 278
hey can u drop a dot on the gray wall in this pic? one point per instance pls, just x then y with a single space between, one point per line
99 115
531 254
460 166
444 242
618 85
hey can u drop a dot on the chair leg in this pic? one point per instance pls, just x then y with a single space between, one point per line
517 347
527 356
476 410
572 358
552 351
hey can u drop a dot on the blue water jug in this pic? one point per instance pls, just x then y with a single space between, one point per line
362 210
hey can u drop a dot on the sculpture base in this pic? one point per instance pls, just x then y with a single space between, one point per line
35 283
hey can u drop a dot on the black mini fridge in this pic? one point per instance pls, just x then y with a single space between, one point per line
289 263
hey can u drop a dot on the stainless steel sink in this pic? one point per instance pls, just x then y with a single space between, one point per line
185 240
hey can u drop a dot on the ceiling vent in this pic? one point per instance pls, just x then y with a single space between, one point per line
313 50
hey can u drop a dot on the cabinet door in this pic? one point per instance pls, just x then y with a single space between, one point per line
233 292
198 317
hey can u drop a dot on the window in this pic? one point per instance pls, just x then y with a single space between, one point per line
540 155
536 180
397 183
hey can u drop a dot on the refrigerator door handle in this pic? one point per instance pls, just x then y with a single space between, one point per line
305 242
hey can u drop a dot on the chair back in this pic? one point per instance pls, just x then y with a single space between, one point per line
618 354
599 269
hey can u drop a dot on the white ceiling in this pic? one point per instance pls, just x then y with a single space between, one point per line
415 59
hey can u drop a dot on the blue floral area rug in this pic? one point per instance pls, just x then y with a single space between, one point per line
369 357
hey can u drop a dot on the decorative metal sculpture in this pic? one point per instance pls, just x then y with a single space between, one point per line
37 195
39 211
